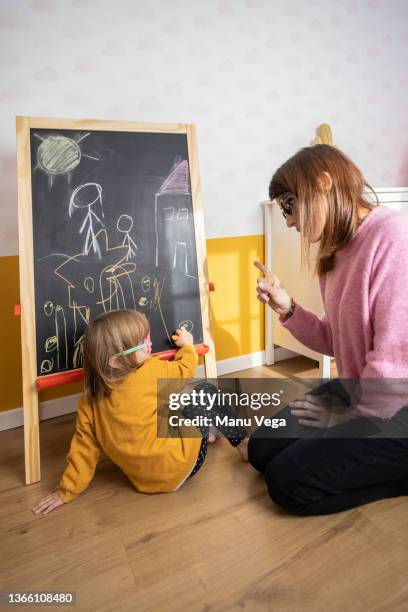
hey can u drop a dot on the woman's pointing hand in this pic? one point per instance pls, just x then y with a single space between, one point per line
270 291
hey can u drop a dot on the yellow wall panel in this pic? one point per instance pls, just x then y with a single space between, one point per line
237 316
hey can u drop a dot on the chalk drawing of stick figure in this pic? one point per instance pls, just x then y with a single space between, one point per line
88 196
124 225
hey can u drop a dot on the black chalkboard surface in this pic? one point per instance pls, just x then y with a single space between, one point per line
113 228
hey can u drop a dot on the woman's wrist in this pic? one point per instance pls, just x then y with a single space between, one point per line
285 316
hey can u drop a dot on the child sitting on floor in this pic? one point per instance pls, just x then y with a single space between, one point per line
118 412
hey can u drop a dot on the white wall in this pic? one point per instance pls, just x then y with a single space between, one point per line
255 76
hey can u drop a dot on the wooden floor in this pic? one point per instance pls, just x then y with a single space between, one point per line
219 543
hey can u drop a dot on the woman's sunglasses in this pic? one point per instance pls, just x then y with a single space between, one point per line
286 203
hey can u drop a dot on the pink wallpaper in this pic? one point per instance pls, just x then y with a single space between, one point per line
255 76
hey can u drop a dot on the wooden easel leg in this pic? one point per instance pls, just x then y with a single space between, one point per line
210 366
31 438
210 363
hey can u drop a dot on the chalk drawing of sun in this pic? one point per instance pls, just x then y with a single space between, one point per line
59 155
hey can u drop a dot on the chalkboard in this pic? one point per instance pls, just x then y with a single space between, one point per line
113 228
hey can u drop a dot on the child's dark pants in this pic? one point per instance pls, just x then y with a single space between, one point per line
234 434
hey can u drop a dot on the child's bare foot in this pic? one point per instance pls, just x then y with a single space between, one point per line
212 435
243 449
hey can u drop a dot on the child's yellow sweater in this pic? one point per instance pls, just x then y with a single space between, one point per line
124 426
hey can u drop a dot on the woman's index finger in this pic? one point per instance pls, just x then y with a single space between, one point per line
269 276
263 268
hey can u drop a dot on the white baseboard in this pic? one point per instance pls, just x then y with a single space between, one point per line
235 364
66 405
244 362
48 410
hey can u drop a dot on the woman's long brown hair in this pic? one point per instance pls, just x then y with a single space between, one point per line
107 335
301 176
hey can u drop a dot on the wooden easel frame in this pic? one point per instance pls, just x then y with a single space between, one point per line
26 258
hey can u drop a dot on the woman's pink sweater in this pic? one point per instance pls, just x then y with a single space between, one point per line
365 297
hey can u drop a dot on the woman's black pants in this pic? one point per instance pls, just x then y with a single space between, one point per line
308 474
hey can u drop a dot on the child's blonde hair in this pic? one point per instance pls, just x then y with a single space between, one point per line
107 335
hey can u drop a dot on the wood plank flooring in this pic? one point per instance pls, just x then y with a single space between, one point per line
218 543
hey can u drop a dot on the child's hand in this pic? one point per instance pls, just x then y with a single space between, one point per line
182 336
48 503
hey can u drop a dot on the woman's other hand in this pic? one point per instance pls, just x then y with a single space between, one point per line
320 411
